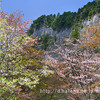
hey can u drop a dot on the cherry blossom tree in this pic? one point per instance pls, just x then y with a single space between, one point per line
20 64
77 66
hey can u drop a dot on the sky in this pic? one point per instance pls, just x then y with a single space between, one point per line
32 9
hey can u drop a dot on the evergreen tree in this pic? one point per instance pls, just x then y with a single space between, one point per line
75 33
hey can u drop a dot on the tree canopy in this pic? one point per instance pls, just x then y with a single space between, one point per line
20 64
67 19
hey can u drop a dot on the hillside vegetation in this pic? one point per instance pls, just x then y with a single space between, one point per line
67 19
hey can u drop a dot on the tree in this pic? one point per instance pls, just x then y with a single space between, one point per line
58 14
75 33
92 37
20 64
77 67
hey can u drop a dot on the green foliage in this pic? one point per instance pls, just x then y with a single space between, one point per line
97 50
81 26
88 10
75 33
63 42
47 40
42 21
31 30
98 6
7 93
55 38
20 64
63 21
67 19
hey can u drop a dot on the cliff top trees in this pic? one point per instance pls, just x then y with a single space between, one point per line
67 19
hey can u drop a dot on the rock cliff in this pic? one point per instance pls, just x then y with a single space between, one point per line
95 20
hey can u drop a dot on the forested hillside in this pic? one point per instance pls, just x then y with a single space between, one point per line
67 19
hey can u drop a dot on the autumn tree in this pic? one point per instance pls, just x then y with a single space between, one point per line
92 37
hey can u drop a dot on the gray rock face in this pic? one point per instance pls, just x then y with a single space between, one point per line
48 30
95 20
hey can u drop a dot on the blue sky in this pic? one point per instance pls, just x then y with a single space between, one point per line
32 9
